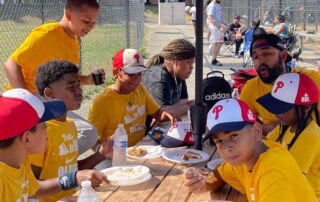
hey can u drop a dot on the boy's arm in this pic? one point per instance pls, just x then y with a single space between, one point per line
54 185
180 108
14 74
105 152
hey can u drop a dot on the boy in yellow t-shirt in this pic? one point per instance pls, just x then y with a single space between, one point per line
57 41
262 170
127 101
23 132
60 79
53 41
293 99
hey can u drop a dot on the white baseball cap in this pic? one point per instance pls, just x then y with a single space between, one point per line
178 135
289 90
228 115
128 60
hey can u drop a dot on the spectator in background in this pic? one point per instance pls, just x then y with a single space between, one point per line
216 33
232 31
280 28
207 18
192 12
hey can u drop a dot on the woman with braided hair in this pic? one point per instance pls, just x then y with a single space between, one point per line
168 72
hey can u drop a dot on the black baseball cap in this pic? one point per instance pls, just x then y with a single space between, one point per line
271 40
236 17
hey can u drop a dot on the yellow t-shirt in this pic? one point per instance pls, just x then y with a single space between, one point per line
46 42
60 156
306 151
275 177
17 184
255 88
110 108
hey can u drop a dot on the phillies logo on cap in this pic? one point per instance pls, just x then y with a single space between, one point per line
137 57
279 85
216 110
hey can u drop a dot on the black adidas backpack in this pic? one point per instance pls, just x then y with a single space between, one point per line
215 88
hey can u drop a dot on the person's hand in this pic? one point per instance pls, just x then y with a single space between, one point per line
168 116
106 148
96 177
97 77
194 182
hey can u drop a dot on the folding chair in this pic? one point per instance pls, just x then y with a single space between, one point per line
248 38
228 45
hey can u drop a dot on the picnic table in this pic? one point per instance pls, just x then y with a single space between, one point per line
166 183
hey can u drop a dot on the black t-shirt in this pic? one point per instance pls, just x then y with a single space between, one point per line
234 28
163 87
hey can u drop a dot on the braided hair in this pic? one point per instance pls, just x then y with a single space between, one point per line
302 120
178 49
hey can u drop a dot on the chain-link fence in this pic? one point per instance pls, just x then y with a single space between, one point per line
304 13
120 24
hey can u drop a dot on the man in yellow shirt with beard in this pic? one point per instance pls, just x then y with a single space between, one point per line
60 79
268 56
127 101
262 170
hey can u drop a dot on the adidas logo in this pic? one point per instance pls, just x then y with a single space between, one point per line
216 96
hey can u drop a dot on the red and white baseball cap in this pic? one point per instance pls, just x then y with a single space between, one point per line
228 115
178 135
129 60
289 90
20 111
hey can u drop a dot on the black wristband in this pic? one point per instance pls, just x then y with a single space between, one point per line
68 180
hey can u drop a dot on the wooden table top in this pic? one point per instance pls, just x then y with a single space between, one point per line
166 183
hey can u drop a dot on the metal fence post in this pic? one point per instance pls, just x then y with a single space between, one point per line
127 24
42 11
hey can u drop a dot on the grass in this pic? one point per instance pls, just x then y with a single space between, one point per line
151 10
98 47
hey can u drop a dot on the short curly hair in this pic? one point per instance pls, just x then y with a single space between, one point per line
52 71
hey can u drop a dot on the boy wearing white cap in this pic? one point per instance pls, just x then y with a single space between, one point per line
23 132
127 101
262 170
293 98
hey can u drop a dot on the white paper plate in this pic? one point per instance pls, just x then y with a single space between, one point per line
152 152
175 156
214 163
133 182
128 173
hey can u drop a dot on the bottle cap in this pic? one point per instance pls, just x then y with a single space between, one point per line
86 183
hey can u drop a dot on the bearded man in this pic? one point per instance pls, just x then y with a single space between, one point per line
269 57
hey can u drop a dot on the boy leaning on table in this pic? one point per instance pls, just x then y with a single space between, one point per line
23 132
60 79
261 169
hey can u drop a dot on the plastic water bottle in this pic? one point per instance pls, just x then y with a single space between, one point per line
235 93
87 193
120 144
